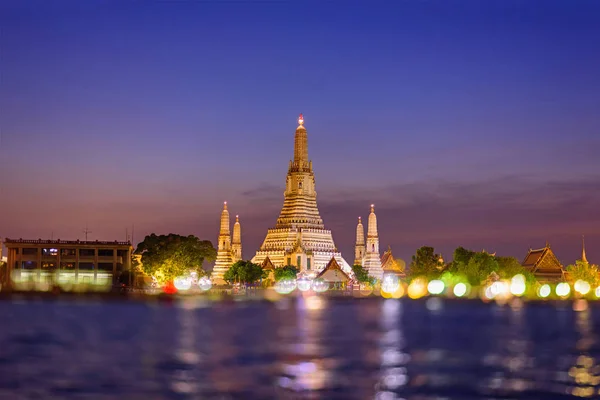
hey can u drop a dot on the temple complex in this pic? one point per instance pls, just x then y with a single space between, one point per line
227 252
544 265
390 265
299 237
371 260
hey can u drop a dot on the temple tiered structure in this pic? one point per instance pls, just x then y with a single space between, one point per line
544 265
359 248
299 237
227 252
371 260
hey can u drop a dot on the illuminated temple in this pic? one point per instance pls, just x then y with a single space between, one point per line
299 237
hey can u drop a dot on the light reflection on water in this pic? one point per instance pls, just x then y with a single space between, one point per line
304 348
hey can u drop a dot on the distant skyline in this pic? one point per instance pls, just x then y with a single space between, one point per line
466 123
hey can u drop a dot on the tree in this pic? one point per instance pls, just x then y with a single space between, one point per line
286 272
585 271
425 263
168 256
510 266
244 272
362 275
475 267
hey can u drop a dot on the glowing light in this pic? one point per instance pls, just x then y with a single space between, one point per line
300 119
517 285
417 289
435 287
460 289
390 283
563 289
285 286
182 283
304 284
582 287
204 283
597 292
319 285
544 291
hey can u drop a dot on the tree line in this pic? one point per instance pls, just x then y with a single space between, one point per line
166 257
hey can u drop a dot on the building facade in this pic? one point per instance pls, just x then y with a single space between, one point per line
299 237
75 261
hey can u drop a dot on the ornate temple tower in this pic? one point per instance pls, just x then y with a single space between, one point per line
224 259
236 243
299 237
359 248
372 260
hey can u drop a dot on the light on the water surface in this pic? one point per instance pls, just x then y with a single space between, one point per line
460 289
204 283
582 287
182 283
517 285
304 284
390 283
417 289
563 289
545 291
435 287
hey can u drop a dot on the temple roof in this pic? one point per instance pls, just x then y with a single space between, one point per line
267 264
389 264
334 269
543 263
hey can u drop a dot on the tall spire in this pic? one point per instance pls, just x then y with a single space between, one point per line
372 231
372 261
224 259
224 220
583 257
301 144
359 249
236 243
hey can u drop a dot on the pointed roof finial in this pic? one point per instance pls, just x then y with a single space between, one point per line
224 205
359 220
372 207
583 257
237 218
300 120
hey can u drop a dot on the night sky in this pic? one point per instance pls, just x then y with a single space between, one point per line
473 123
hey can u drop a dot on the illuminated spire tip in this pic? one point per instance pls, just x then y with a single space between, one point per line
300 120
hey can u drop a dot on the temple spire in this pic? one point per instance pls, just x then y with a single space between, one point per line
236 243
301 144
359 249
372 260
583 257
224 220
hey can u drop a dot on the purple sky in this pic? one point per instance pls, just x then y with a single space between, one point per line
466 122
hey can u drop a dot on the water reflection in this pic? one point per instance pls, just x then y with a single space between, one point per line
310 347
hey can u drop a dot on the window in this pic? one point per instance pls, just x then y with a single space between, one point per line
49 252
29 251
105 266
308 263
86 266
289 261
67 252
299 261
105 252
29 265
67 265
299 185
87 252
48 265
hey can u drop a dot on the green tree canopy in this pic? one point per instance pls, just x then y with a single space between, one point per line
476 267
510 266
168 256
286 272
362 275
244 272
425 263
585 271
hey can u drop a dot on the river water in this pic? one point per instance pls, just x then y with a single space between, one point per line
299 348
